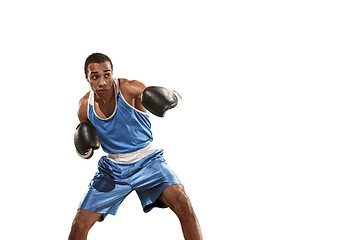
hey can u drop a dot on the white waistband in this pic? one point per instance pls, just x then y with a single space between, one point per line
133 156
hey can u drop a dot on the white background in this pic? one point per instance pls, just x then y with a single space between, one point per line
266 141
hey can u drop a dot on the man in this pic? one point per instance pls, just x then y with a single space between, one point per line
113 114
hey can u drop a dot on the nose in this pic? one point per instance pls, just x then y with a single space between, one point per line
102 83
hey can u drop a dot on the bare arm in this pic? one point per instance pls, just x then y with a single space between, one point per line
82 112
132 91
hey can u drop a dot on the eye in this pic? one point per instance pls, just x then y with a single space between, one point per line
107 75
94 77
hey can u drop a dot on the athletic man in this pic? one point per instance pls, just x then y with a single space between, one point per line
113 114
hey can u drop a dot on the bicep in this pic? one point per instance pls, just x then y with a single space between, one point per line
137 88
82 115
82 112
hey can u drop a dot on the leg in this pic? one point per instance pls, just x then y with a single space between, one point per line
82 223
175 197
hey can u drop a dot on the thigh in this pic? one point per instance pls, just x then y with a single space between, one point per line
106 192
155 173
151 181
104 200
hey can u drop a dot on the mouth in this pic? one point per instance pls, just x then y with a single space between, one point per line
101 91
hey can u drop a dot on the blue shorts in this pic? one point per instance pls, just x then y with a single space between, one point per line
114 182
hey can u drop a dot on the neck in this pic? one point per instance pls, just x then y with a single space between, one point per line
107 99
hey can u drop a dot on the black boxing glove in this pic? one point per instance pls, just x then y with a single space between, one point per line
86 140
158 100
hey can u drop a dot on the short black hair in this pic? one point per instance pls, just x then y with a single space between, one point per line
96 58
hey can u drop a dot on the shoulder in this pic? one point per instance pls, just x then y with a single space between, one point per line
84 98
132 87
82 112
130 83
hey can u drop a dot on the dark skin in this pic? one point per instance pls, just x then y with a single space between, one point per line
100 79
100 76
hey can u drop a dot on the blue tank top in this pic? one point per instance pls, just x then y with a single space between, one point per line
126 130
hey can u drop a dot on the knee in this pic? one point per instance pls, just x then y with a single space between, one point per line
182 206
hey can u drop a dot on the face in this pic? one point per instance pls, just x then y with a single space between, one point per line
99 76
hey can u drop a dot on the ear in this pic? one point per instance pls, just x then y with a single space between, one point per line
86 76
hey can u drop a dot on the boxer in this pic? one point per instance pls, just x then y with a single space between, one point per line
114 115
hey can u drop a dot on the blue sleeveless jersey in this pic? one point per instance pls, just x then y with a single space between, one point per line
126 130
